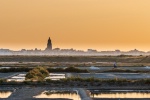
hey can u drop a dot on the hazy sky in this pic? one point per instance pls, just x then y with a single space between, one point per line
79 24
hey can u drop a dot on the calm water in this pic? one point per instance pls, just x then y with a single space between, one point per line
5 94
73 96
121 95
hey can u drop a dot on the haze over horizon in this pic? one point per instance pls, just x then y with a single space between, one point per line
79 24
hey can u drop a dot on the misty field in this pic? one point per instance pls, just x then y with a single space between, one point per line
52 61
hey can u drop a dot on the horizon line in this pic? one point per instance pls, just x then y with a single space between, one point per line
74 49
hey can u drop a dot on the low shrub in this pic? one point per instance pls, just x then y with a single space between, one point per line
38 73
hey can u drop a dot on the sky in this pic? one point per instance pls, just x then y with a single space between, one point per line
78 24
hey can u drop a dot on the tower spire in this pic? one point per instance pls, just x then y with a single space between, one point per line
49 45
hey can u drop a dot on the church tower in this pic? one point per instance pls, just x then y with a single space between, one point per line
49 45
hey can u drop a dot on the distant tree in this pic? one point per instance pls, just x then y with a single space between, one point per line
38 74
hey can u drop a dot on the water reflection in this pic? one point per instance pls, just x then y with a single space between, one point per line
121 95
5 94
68 95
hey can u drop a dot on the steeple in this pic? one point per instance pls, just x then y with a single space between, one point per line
49 45
49 39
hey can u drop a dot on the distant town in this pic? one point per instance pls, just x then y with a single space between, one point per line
58 51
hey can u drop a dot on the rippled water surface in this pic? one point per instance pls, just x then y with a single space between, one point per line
5 94
121 95
73 96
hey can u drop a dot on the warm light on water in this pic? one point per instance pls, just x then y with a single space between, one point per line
72 96
122 95
5 94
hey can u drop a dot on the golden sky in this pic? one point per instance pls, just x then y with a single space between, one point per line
79 24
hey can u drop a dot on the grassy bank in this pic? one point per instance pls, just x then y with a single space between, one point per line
68 69
83 82
76 61
120 58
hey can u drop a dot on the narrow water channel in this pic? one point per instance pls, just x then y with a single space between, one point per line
5 94
71 95
120 94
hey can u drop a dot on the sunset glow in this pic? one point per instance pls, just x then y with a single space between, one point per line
78 24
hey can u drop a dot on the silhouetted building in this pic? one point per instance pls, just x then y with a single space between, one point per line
49 45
